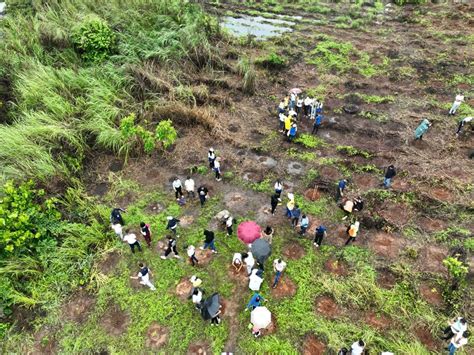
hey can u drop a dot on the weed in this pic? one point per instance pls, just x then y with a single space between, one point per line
352 151
411 253
309 141
272 61
379 117
94 38
305 156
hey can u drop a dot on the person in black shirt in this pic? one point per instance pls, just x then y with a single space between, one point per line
202 192
358 204
116 216
389 174
171 247
145 231
209 241
172 224
274 203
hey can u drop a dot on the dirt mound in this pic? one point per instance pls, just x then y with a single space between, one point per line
431 294
396 214
234 199
186 221
329 173
400 185
79 307
312 194
294 251
285 288
385 244
377 321
115 321
386 279
154 208
336 267
313 224
365 182
272 328
240 276
183 289
327 307
199 348
431 259
156 336
229 308
313 346
440 194
109 265
431 225
204 256
425 337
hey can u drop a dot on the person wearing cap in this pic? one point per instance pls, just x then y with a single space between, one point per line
172 242
203 194
229 221
462 123
319 234
177 187
209 241
422 129
352 232
458 341
341 186
172 225
292 132
457 102
211 156
217 169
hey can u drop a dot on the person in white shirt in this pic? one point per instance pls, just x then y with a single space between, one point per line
144 276
229 221
117 228
456 326
237 261
197 298
189 187
299 106
177 187
281 118
462 123
249 262
358 347
458 341
255 281
211 157
278 188
278 266
192 255
292 101
217 169
132 241
457 102
307 106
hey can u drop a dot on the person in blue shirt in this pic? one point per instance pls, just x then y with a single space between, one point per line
292 132
255 301
304 224
341 186
295 215
319 234
317 123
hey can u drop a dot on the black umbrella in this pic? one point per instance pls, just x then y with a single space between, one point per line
261 250
210 307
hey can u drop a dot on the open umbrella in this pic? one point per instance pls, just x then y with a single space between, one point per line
296 91
210 307
261 250
261 317
248 232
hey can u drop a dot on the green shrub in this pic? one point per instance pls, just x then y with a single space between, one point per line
309 141
456 268
94 39
165 133
352 151
272 61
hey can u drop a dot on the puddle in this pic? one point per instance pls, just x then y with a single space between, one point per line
258 26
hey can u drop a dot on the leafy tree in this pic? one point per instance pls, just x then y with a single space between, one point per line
166 133
94 38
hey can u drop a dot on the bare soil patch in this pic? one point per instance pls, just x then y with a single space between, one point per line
154 208
431 259
386 279
313 224
204 256
431 225
330 174
396 214
199 348
115 321
336 267
272 327
327 307
365 182
377 321
285 288
431 294
294 251
109 265
425 337
400 185
240 277
156 336
440 194
313 346
385 244
186 221
183 289
78 307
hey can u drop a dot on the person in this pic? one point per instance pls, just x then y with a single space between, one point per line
217 169
292 132
281 106
288 121
314 107
195 281
177 187
189 187
389 175
307 106
116 216
290 205
319 106
117 228
255 301
319 234
171 247
196 297
144 276
172 225
462 123
341 186
146 233
317 124
274 203
211 157
256 331
352 232
358 204
343 351
304 224
286 101
456 326
457 102
299 106
458 341
237 261
229 221
209 241
292 100
295 216
216 320
192 255
281 119
267 234
278 266
132 241
358 347
255 280
422 129
249 262
278 188
203 194
347 207
181 201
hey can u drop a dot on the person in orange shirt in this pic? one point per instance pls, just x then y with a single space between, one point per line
352 232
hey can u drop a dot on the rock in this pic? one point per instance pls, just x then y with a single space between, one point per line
294 168
268 162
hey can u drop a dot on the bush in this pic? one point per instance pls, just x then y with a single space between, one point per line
94 39
309 141
166 133
272 61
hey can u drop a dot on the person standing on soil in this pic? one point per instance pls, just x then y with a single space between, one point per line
458 341
116 216
237 262
209 241
295 216
389 175
358 204
314 106
144 276
288 121
456 326
461 125
255 301
196 297
352 232
172 225
172 242
304 224
146 233
229 221
278 188
177 187
281 106
358 347
292 132
319 235
290 205
274 203
293 98
249 262
255 280
132 241
457 102
422 129
211 157
117 228
217 169
281 125
299 106
191 251
267 234
341 186
189 187
278 266
317 124
203 194
307 106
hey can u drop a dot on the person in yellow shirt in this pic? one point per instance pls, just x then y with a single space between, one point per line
288 121
352 232
290 205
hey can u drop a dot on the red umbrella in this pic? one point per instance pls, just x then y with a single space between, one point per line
296 91
248 232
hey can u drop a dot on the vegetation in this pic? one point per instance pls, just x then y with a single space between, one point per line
309 141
